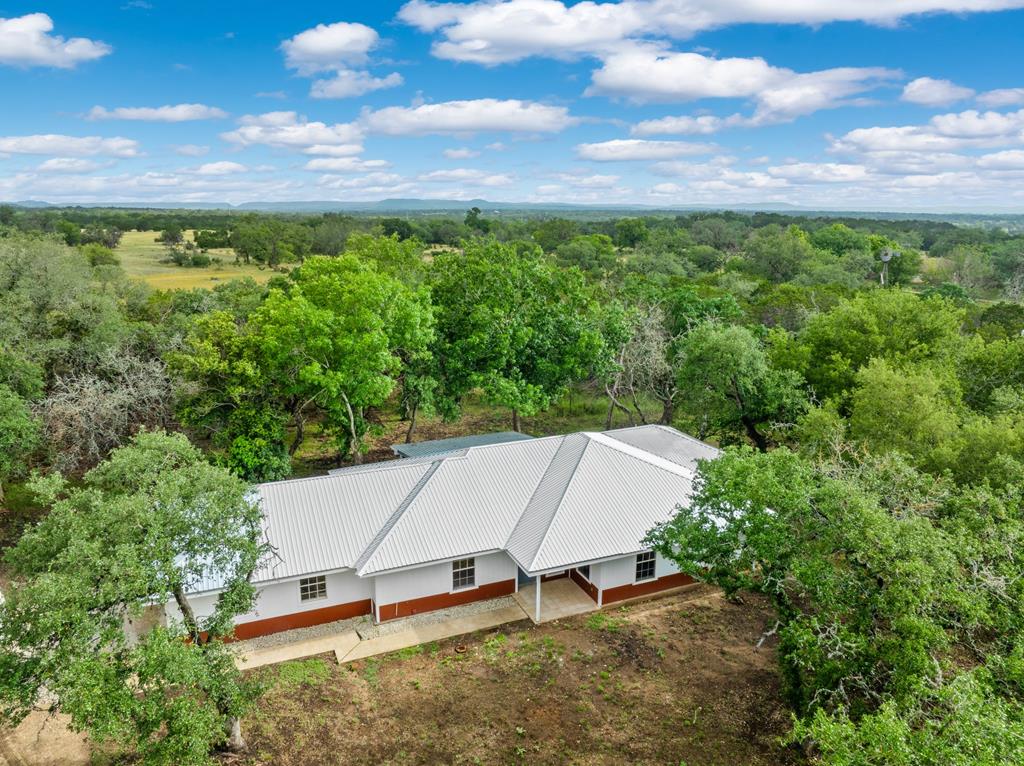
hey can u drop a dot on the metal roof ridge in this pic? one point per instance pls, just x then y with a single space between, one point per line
643 455
378 539
561 495
685 436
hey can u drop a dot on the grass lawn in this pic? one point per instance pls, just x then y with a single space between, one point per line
141 257
670 681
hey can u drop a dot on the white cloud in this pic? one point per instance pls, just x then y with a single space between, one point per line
336 48
668 189
1012 159
69 165
176 113
927 91
462 153
191 150
596 181
290 131
685 125
626 149
70 146
329 46
470 176
819 172
1002 97
645 73
497 31
26 41
458 117
347 83
369 184
223 168
345 164
942 133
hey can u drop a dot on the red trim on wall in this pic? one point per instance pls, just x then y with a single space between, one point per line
305 619
588 587
643 588
442 600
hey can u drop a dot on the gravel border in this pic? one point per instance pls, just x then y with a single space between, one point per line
301 634
369 630
365 629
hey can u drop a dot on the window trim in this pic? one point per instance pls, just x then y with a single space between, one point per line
648 557
468 565
313 584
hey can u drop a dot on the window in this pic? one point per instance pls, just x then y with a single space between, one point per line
463 574
585 571
645 566
312 588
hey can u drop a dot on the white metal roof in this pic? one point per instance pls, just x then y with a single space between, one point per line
550 503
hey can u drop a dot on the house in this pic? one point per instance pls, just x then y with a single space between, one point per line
461 523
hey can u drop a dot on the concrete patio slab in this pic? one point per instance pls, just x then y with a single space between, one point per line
558 598
422 634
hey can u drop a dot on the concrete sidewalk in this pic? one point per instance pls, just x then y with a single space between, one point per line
347 645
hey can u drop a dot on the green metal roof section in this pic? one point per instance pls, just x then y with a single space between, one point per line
420 449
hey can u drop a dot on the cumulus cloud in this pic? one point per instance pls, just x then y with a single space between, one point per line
347 83
1002 97
337 48
462 153
594 181
69 165
498 31
175 113
70 146
223 168
819 172
326 46
26 41
628 149
927 91
289 130
346 165
460 117
705 124
470 176
645 73
942 133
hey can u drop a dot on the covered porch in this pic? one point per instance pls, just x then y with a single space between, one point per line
554 596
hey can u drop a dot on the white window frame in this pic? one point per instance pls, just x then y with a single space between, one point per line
312 588
646 557
467 564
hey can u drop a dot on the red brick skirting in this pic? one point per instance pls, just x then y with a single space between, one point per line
302 619
442 600
643 588
584 583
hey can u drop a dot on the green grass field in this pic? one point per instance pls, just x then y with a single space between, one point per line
142 258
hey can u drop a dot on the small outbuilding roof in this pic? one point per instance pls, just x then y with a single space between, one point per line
435 446
550 502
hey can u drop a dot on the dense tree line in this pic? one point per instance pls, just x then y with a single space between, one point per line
871 488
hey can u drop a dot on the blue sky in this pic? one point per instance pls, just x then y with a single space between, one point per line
860 104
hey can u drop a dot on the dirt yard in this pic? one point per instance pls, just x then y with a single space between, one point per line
673 681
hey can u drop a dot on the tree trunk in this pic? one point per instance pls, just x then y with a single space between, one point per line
608 417
668 412
638 408
755 436
412 424
515 420
1 493
300 428
235 741
187 615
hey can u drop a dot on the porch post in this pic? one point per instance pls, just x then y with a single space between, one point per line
537 607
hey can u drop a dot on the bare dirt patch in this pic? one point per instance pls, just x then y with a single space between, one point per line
668 681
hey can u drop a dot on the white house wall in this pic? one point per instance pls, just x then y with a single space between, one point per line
430 580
